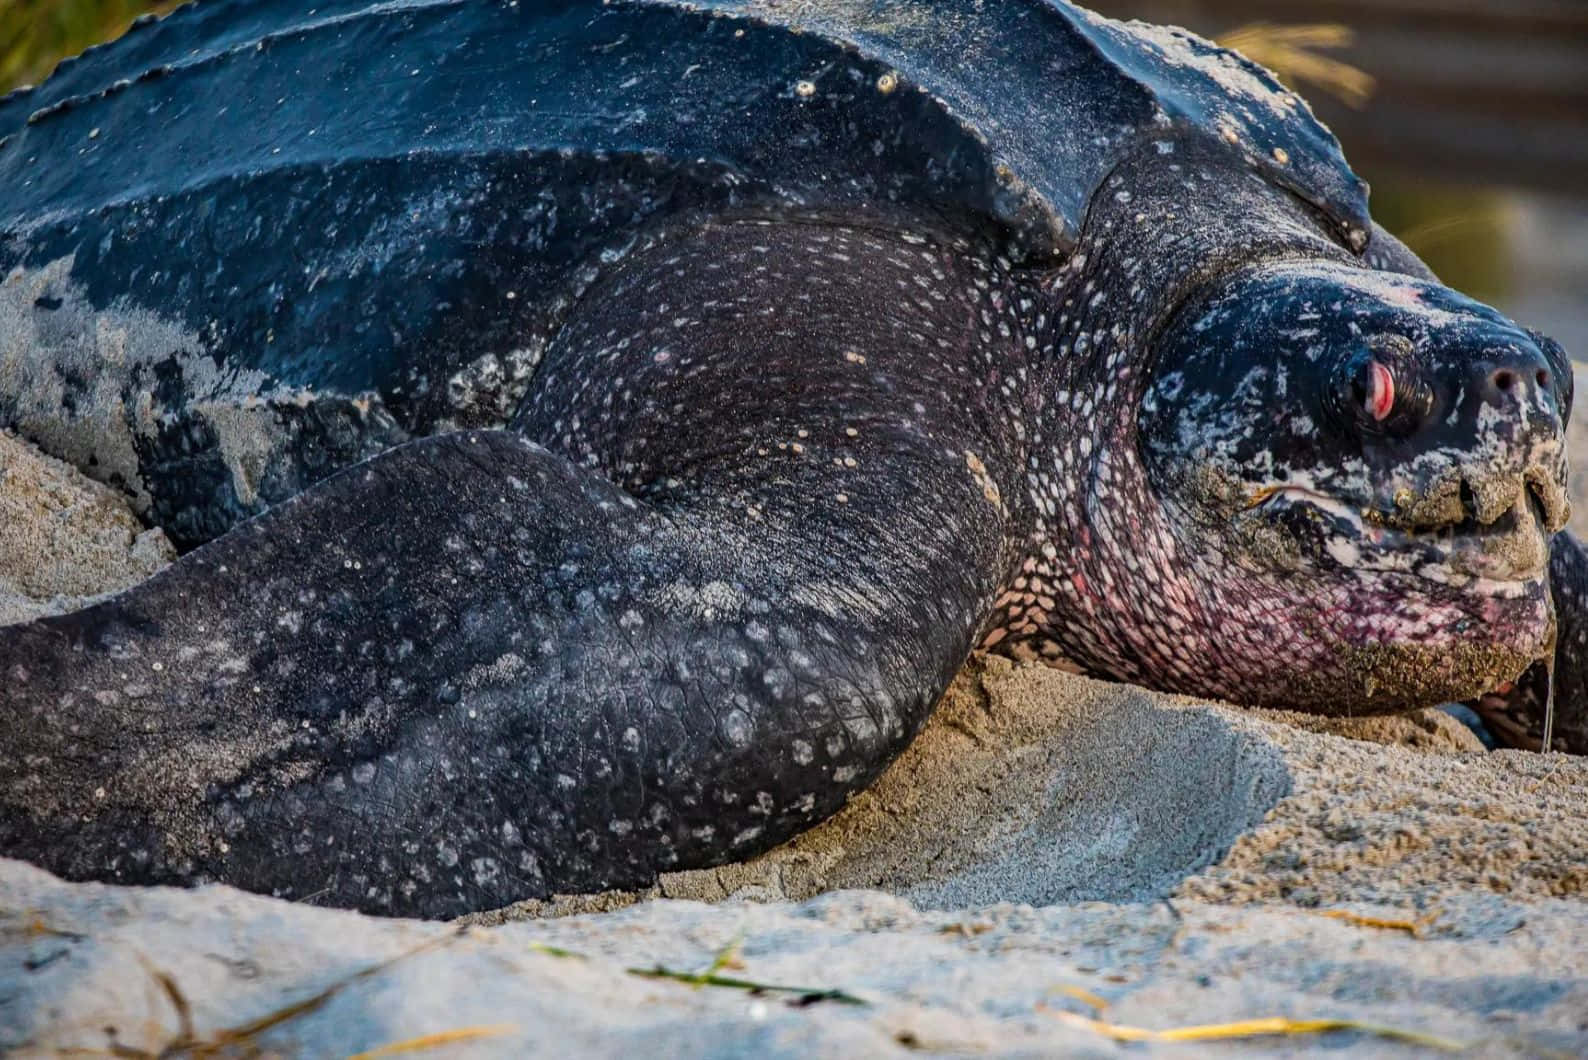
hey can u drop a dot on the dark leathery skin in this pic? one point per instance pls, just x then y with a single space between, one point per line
400 236
1143 562
469 671
826 344
679 79
1568 570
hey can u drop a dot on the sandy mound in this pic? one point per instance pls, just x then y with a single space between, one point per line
1033 786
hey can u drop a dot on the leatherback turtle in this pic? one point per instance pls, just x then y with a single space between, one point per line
598 432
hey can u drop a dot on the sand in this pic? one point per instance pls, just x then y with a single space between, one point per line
1050 848
66 539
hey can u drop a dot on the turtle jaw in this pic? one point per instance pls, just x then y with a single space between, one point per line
1310 600
1411 616
1484 552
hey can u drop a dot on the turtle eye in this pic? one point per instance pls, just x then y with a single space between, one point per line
1379 399
1383 395
1372 389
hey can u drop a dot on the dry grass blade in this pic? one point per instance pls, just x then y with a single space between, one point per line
30 924
1291 53
179 1002
1414 928
250 1030
1304 35
1081 994
440 1038
727 957
227 1041
1441 229
1255 1028
1546 742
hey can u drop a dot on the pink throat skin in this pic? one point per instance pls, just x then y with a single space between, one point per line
1109 588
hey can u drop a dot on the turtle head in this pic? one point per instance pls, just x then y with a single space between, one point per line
1370 466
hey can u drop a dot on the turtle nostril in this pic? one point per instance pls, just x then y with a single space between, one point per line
1469 499
1504 376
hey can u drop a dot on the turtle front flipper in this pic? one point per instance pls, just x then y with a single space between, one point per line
470 670
466 672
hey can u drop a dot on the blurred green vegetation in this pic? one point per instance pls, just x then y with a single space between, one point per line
1463 233
1460 231
36 34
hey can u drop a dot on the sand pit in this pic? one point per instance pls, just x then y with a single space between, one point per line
1050 850
1031 786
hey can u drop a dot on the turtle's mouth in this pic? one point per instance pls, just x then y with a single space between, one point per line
1495 550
